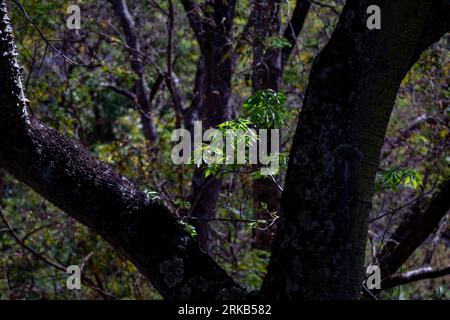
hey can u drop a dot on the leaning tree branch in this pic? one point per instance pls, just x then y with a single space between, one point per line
122 91
193 12
437 24
91 192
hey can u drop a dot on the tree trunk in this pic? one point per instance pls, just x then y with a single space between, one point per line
268 66
214 33
266 74
134 49
319 249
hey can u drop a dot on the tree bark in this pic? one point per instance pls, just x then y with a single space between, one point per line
89 191
266 60
319 249
399 279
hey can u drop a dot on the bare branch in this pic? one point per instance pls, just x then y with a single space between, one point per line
414 230
403 278
48 42
294 28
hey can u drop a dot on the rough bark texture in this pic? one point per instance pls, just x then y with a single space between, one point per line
134 49
89 191
437 24
413 231
319 249
266 60
212 26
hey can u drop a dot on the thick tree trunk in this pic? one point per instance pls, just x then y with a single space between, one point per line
89 191
319 249
269 63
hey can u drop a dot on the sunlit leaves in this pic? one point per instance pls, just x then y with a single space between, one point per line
215 155
153 195
190 229
395 177
266 109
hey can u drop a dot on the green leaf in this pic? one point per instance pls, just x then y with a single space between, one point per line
266 109
277 42
152 194
395 177
188 228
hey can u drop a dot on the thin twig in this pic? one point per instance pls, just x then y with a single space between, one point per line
48 261
401 207
62 54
